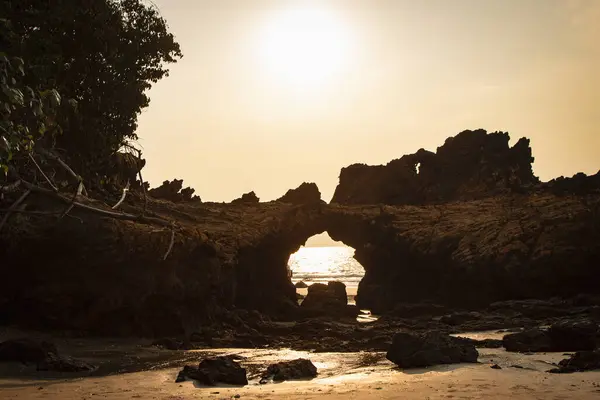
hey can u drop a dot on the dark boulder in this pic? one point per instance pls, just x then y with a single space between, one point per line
301 285
330 299
568 335
43 354
529 340
574 335
423 350
338 291
26 350
484 343
578 362
215 370
321 295
294 369
64 364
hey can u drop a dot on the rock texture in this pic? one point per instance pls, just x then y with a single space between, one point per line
418 351
471 165
295 369
107 276
215 370
43 354
174 191
568 335
247 198
579 362
306 193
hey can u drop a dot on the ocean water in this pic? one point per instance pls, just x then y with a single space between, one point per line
323 264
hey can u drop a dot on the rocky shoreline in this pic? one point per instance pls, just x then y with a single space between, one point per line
481 246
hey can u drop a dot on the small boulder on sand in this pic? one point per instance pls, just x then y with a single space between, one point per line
422 350
301 285
295 369
210 371
579 362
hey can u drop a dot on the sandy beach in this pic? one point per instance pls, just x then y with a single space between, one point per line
341 376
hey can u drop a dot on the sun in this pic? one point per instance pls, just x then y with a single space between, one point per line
304 46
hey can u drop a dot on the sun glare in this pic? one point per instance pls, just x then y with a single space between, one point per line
304 46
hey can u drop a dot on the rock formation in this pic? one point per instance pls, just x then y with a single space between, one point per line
418 351
306 193
247 198
174 191
471 165
109 276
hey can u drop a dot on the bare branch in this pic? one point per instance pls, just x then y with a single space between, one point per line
170 244
81 188
52 185
105 213
14 206
122 199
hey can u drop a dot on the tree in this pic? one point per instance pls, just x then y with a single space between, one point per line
103 54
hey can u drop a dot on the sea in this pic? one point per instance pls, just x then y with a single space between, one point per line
327 263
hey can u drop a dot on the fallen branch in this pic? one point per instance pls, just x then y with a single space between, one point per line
105 213
170 244
122 199
52 185
81 188
14 206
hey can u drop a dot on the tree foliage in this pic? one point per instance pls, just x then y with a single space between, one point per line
25 114
102 55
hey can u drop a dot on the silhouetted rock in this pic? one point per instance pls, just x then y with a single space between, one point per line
294 369
483 343
570 335
215 370
174 191
330 299
579 362
247 198
579 184
531 340
26 350
306 193
301 285
423 350
43 354
64 364
470 165
574 335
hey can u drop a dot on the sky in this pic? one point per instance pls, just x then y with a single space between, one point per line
273 93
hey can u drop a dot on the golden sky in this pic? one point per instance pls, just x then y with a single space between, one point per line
272 93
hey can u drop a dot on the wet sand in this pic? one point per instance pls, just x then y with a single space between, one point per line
341 376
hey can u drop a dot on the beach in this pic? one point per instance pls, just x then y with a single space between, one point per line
357 375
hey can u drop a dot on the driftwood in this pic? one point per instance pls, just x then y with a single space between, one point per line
72 201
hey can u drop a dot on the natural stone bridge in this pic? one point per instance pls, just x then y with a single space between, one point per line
485 231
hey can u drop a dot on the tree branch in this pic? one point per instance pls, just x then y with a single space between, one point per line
52 185
105 213
122 199
14 206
